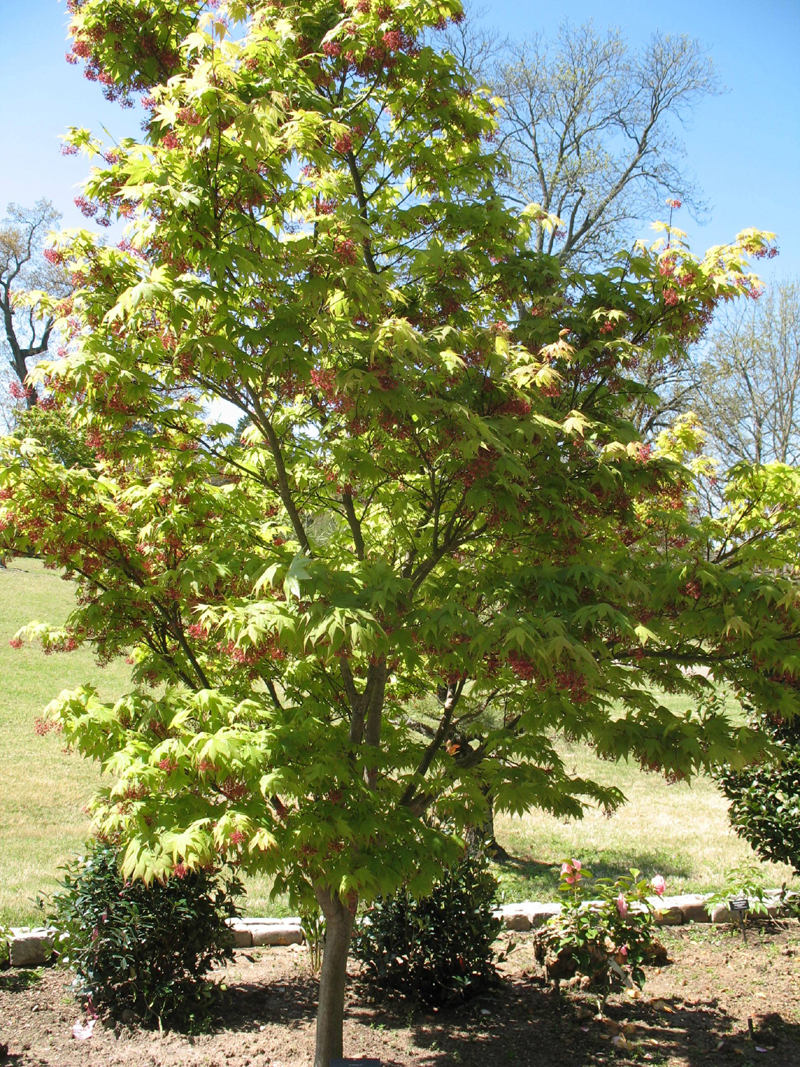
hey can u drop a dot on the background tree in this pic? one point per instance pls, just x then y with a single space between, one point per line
590 128
438 504
591 132
24 267
748 395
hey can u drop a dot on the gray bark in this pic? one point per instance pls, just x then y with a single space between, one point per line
339 921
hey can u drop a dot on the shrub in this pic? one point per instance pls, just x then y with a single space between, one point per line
437 949
607 943
765 797
144 948
745 880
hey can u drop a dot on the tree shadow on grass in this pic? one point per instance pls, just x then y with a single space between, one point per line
546 874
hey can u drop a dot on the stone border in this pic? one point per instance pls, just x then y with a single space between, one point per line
34 947
669 911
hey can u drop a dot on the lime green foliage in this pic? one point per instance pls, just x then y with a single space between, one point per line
679 829
439 500
52 429
433 496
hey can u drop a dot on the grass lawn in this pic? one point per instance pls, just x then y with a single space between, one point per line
675 830
680 831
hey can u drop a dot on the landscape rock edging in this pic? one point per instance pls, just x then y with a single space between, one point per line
669 911
34 947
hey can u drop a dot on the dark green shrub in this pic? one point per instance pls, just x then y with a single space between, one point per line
437 949
143 948
765 797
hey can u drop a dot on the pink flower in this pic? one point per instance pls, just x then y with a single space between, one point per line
81 1032
673 203
622 905
571 871
659 885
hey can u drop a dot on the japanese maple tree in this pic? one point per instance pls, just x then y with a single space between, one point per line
437 541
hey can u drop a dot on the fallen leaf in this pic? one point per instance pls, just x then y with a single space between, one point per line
81 1032
661 1005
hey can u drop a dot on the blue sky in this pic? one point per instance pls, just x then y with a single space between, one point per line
744 146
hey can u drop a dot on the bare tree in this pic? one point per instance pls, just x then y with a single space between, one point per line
591 128
477 46
749 381
25 336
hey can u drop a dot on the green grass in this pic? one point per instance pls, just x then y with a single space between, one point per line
42 788
679 831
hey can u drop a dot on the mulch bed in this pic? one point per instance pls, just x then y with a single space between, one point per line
719 1001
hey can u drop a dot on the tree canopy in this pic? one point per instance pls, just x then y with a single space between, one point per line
439 504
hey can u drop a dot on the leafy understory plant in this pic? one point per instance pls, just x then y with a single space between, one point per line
604 932
312 923
144 948
765 796
744 880
438 948
789 901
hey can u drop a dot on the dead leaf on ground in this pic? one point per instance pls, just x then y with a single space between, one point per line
661 1005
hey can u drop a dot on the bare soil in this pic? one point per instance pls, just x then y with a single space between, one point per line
720 1001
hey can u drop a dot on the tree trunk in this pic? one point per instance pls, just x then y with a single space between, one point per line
333 979
480 838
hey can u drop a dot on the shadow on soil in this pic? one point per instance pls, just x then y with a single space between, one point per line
289 1003
17 980
528 1023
